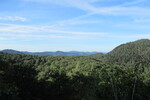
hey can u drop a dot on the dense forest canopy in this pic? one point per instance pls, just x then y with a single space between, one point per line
138 51
122 74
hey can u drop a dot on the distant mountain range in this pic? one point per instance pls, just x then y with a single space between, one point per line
57 53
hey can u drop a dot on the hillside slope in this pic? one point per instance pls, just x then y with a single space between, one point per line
137 51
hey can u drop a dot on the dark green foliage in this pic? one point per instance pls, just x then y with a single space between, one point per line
133 52
123 74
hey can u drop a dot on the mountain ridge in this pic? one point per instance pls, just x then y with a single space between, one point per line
50 53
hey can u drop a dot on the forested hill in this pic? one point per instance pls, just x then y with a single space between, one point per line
137 51
122 74
57 53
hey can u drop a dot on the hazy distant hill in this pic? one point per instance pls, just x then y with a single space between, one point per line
137 51
48 53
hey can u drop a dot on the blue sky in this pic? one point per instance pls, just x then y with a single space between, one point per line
66 25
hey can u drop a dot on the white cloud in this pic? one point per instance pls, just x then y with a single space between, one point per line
26 32
133 2
84 22
37 31
76 20
1 38
80 4
127 8
12 28
13 18
142 20
35 37
135 36
136 25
